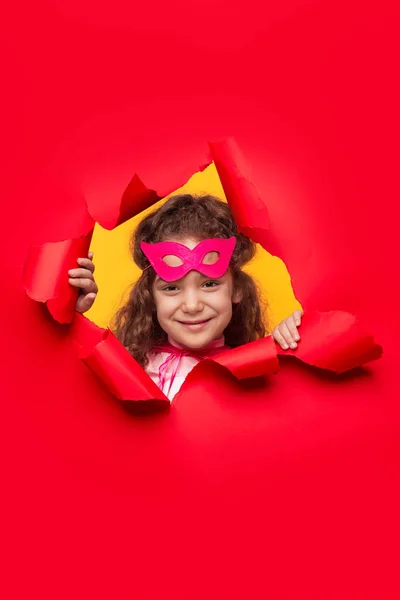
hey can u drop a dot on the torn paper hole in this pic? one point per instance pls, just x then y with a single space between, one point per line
335 340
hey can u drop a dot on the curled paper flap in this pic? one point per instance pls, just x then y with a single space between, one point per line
245 202
335 341
111 212
332 341
45 275
251 360
137 197
101 351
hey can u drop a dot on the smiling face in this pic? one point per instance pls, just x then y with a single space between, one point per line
195 309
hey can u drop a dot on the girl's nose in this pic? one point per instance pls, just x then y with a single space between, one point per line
192 303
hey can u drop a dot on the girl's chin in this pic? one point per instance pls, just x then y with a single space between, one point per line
194 339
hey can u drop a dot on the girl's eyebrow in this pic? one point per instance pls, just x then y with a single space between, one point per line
162 282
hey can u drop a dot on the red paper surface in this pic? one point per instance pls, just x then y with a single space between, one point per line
111 211
111 362
249 209
279 488
46 275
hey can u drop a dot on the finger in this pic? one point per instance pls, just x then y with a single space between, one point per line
85 302
82 273
291 325
87 263
297 314
283 328
88 285
278 337
90 255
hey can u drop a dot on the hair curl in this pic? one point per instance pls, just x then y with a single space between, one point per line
199 217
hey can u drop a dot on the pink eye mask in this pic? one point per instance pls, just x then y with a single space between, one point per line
192 260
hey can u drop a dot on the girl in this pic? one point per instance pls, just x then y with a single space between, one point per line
192 299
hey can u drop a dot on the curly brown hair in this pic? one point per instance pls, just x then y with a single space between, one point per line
199 217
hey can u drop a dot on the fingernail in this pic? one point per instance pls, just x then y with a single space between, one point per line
293 345
71 272
285 346
297 337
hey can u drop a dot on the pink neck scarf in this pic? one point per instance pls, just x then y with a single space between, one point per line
176 352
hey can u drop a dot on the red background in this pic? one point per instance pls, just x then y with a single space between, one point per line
289 495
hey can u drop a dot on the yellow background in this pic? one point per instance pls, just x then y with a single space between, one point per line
116 271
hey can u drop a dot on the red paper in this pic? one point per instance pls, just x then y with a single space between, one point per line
248 208
251 360
335 341
46 275
332 341
101 351
287 491
111 212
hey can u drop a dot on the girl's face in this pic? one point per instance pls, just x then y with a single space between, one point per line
194 310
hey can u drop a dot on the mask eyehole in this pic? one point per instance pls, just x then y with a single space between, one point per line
172 261
211 258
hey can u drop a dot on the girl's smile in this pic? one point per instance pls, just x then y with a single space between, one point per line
195 325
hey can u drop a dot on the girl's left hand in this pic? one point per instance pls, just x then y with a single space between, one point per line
286 333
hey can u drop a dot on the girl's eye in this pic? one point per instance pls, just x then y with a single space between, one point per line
173 288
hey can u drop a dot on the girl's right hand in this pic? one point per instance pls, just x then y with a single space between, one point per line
286 334
83 279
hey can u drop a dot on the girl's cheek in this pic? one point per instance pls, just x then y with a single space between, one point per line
169 303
